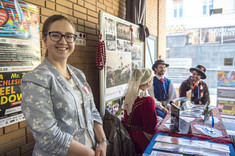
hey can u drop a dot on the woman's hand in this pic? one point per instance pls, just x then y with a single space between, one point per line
101 149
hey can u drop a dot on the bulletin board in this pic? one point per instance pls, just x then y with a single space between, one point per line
121 58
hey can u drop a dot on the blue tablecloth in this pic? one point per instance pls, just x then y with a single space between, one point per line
149 149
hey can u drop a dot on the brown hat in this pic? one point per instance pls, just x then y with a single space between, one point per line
201 70
157 63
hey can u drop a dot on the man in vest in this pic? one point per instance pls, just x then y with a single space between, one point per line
199 90
162 90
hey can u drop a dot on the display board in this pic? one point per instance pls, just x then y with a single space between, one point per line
19 53
226 92
124 52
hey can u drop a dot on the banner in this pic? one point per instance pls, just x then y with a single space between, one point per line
19 53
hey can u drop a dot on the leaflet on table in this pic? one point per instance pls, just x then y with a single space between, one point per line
193 143
191 150
158 153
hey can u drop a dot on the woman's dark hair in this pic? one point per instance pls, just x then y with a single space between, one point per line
51 20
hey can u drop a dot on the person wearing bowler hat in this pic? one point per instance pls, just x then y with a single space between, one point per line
199 90
162 90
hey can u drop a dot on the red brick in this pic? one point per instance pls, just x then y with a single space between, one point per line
64 9
81 2
92 37
93 13
30 153
81 28
27 147
100 5
48 12
81 22
92 19
79 8
116 3
80 15
12 145
40 3
74 1
11 136
50 5
11 128
23 124
89 24
91 1
15 152
90 6
1 131
29 138
64 3
110 10
91 43
108 4
90 31
28 131
102 1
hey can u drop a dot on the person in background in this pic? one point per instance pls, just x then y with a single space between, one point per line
140 117
199 90
57 101
162 90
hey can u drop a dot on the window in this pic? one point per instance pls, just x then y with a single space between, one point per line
207 6
178 10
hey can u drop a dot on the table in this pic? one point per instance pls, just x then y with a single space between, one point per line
194 134
149 149
199 121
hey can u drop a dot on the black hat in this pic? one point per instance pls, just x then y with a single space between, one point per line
157 63
201 70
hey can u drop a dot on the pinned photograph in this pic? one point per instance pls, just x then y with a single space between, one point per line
123 31
120 45
109 26
127 46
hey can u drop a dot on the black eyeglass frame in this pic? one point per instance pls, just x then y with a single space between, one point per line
49 33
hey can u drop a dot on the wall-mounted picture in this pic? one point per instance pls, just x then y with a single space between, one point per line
120 45
111 45
136 52
109 26
123 31
118 68
110 37
127 46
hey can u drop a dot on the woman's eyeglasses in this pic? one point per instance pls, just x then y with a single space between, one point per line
56 36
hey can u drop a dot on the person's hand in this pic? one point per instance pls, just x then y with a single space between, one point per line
101 149
165 111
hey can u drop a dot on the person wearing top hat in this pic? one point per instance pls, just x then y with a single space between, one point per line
199 90
162 90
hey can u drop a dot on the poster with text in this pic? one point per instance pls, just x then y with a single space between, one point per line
19 53
226 106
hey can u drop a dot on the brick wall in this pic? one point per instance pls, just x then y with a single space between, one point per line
152 16
16 139
156 22
162 28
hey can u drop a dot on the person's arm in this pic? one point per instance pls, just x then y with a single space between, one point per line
76 148
100 135
171 93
